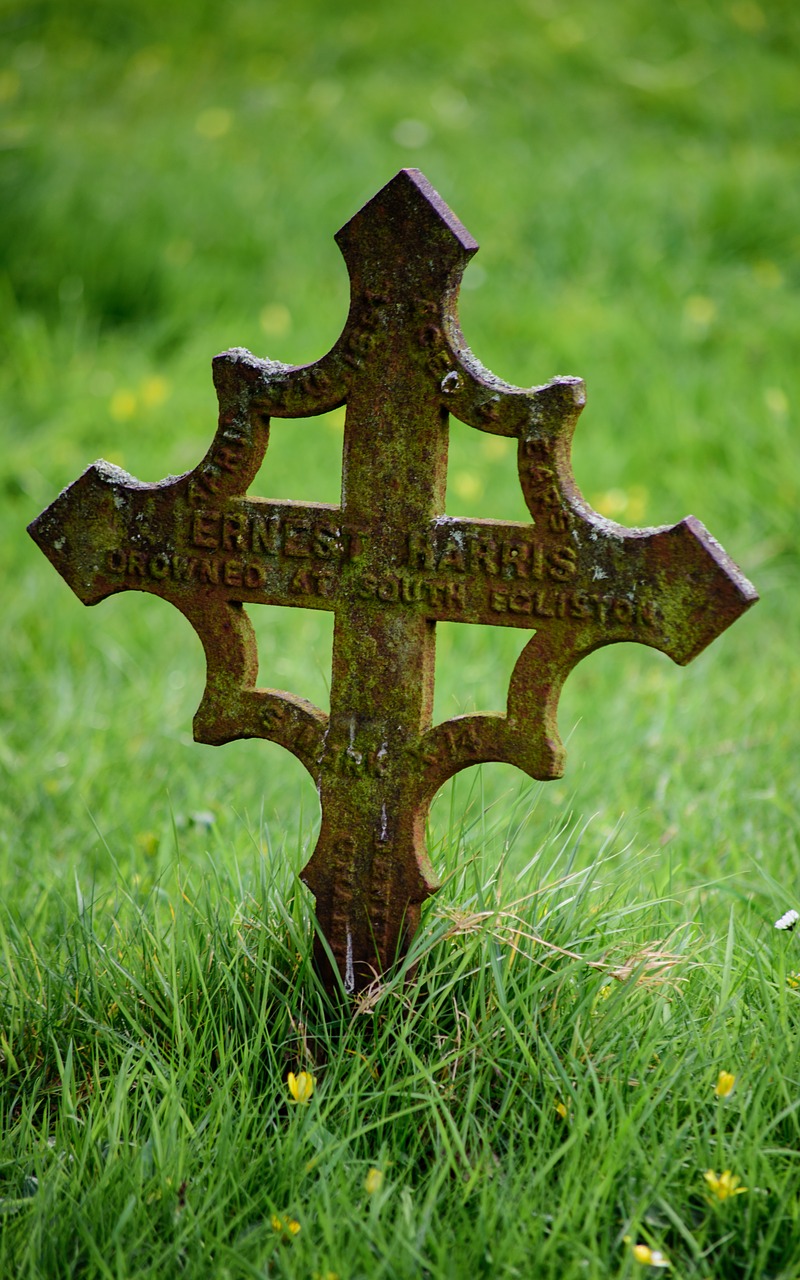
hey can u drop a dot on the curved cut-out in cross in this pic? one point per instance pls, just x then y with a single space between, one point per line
390 564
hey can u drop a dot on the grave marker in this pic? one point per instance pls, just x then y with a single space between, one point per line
390 564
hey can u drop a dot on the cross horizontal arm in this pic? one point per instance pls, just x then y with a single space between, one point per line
673 589
109 532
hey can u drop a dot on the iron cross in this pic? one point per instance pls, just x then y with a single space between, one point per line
390 564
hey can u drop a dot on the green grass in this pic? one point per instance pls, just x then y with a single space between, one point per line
170 181
148 1126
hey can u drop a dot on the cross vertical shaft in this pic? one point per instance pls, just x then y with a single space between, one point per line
394 480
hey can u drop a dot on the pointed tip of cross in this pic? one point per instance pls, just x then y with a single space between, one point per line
415 180
408 219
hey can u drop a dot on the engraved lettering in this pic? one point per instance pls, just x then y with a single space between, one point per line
228 458
579 608
297 539
543 609
424 752
264 535
559 521
357 761
159 566
601 604
117 561
301 583
649 614
137 562
183 568
623 611
362 340
319 380
204 529
563 563
429 336
211 480
233 530
535 445
458 595
306 738
489 411
376 761
484 556
519 602
498 601
516 556
453 556
356 540
420 552
411 590
538 562
272 717
209 572
326 541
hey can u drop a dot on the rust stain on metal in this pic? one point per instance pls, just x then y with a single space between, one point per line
390 564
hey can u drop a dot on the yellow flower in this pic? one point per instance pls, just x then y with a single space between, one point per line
285 1225
725 1083
300 1087
561 1109
624 504
467 485
373 1181
793 979
649 1257
214 122
122 405
276 320
723 1186
699 311
154 391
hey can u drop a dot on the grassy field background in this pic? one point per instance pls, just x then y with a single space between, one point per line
170 182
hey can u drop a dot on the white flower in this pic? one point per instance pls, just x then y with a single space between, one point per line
788 920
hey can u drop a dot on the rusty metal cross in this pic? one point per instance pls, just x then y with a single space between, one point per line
390 564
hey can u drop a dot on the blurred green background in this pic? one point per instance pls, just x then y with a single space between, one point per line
171 177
